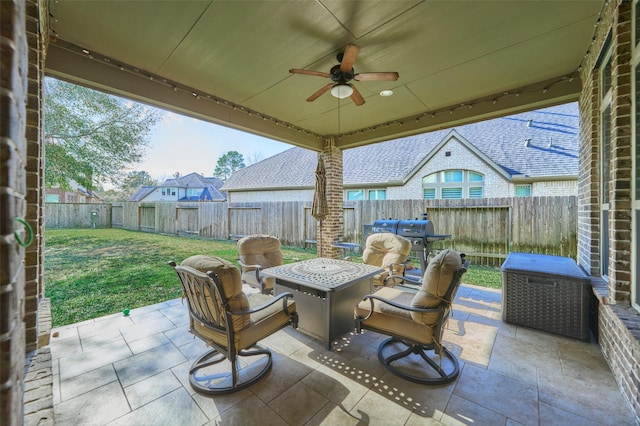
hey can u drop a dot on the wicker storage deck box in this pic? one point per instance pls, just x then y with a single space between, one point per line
549 293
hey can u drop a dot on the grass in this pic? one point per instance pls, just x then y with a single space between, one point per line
95 272
483 276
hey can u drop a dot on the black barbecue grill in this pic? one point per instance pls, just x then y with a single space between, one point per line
420 232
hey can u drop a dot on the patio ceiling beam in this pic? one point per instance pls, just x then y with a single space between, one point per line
68 62
541 95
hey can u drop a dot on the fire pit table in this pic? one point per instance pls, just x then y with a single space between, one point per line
326 291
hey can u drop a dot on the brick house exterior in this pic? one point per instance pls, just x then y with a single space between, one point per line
25 362
609 235
537 150
608 238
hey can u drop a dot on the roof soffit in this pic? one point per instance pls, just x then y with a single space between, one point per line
498 58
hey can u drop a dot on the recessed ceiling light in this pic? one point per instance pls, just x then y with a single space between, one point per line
386 93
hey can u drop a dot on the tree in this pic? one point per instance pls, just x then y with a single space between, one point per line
130 184
227 164
134 180
91 137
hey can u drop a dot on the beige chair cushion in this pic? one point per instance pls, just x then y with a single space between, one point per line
229 277
435 283
262 324
386 250
263 250
393 321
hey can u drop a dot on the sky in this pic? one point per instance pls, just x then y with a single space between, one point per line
183 144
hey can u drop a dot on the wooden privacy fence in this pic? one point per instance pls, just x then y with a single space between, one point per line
76 215
487 229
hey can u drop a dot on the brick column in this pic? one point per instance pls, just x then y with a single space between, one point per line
620 185
37 325
589 177
13 98
332 227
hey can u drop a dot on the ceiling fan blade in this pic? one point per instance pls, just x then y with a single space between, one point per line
310 72
356 97
349 57
376 76
320 92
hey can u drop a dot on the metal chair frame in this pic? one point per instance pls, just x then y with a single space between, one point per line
195 285
411 345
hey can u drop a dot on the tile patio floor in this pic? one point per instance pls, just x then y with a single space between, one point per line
132 371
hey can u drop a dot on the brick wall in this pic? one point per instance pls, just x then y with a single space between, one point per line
13 98
34 264
618 323
620 184
22 328
552 188
333 225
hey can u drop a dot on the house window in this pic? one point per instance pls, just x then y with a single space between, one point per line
453 184
452 176
377 194
52 198
448 193
355 195
429 193
163 191
476 192
194 192
523 190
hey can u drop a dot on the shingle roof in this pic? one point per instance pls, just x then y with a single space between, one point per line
552 151
211 187
142 192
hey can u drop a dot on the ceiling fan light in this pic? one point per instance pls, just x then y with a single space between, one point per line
341 91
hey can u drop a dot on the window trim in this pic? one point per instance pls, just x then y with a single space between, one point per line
606 99
635 157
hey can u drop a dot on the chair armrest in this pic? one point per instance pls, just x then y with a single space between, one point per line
401 266
248 268
404 278
372 297
280 297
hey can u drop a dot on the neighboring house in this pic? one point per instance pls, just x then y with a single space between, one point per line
76 194
528 154
192 187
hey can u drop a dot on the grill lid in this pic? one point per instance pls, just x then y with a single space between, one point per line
388 225
415 228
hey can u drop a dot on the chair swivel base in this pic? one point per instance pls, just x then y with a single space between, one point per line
205 378
428 372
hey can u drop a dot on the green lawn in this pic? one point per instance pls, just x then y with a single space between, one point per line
94 272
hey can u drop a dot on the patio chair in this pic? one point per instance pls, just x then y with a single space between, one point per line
416 321
255 253
231 323
389 251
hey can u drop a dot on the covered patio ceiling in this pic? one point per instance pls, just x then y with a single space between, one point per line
228 62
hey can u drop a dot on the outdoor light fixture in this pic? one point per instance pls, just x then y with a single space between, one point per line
386 93
341 91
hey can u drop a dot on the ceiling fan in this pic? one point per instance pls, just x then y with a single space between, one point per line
342 73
